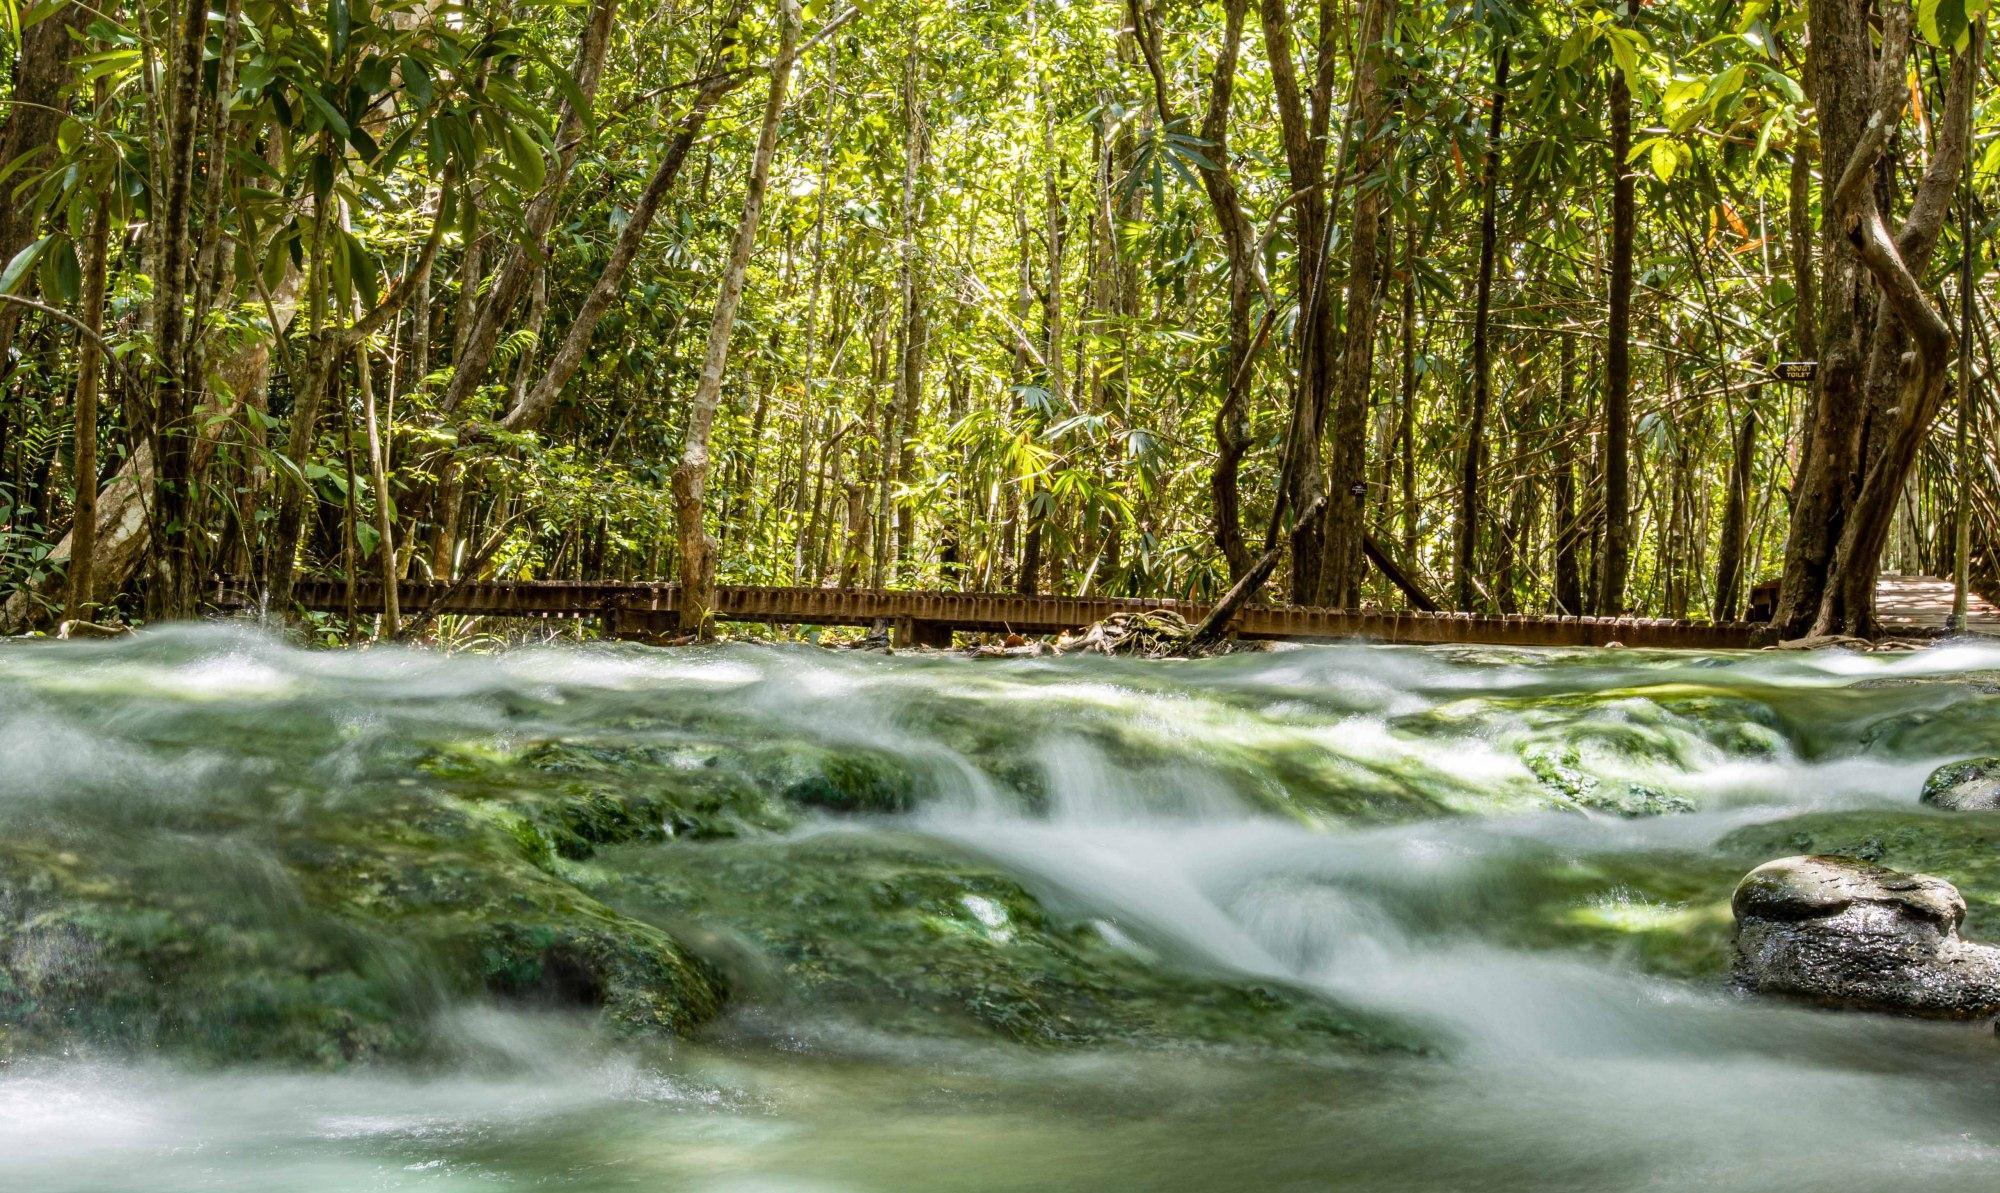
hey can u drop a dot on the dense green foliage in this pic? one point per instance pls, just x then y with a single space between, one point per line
991 325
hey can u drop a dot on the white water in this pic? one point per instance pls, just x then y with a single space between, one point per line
1552 1070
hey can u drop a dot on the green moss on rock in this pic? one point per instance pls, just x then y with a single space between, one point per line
917 938
1969 786
314 938
1962 849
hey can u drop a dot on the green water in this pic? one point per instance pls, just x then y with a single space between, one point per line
751 918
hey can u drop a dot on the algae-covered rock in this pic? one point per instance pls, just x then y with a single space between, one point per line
912 936
315 940
1842 932
846 781
1668 911
1562 775
1969 786
1962 850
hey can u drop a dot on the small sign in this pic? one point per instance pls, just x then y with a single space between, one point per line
1796 370
1358 488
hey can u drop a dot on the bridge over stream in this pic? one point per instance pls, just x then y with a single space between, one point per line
1909 606
925 618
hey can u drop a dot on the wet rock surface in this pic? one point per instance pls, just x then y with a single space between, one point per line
1969 786
1842 932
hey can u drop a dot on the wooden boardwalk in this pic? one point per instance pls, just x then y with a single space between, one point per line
932 618
1909 606
1922 605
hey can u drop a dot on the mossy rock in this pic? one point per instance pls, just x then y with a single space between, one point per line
845 781
1664 912
1969 786
1964 850
1938 719
315 939
1562 774
582 793
916 938
1668 912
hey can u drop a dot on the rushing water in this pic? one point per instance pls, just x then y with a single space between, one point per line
1397 833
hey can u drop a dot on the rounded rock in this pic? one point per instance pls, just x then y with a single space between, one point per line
1841 932
1969 786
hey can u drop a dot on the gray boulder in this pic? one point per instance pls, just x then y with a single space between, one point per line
1841 932
1969 786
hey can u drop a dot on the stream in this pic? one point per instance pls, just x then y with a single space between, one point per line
1332 917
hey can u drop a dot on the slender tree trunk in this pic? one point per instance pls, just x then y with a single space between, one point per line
690 480
1466 532
28 122
1347 489
1735 515
1304 120
89 373
1968 386
859 527
378 474
350 514
1232 432
1406 432
535 404
1614 560
479 336
171 591
805 564
1568 526
915 344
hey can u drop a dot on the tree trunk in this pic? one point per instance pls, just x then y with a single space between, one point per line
1466 532
1911 335
690 479
1735 516
1884 347
1406 432
89 372
479 336
1303 119
1347 489
915 345
1232 431
534 406
378 474
172 589
28 122
1568 526
1614 560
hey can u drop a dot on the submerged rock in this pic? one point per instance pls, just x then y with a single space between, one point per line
1842 932
1969 786
316 940
916 937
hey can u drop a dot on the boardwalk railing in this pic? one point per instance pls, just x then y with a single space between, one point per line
931 618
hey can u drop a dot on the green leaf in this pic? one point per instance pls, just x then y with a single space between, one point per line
365 269
1785 84
68 271
417 82
22 264
1625 50
341 22
1988 169
1665 160
329 113
526 155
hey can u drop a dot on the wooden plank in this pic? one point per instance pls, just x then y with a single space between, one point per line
651 608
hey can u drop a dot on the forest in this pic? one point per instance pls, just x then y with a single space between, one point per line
1038 296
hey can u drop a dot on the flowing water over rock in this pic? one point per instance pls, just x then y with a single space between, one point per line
755 918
